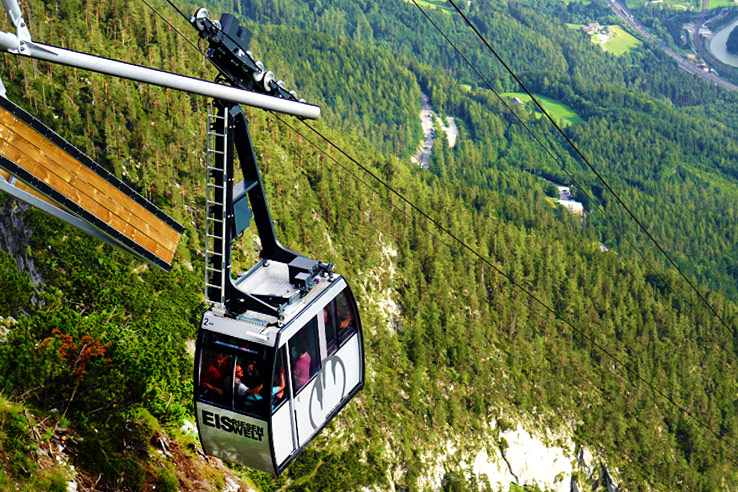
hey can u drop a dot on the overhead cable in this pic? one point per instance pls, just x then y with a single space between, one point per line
591 167
530 294
550 153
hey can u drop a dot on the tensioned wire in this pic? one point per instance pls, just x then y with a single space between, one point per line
590 166
558 161
532 311
636 374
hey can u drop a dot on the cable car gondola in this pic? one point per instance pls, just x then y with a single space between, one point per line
280 350
265 389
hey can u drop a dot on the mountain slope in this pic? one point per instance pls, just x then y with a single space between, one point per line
452 346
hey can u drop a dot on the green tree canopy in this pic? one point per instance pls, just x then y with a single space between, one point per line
732 43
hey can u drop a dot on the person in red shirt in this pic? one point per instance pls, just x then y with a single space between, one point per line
214 378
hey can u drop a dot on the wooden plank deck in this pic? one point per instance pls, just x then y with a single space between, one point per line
91 191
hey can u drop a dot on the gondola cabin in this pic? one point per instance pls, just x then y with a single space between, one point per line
265 387
280 350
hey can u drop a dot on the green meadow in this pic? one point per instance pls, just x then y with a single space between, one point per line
442 5
620 42
561 113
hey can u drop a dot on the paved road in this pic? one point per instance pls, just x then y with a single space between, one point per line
625 14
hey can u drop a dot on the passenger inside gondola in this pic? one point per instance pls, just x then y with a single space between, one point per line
344 317
248 385
304 355
279 382
214 386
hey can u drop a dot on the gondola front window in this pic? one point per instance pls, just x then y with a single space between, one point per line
232 373
215 368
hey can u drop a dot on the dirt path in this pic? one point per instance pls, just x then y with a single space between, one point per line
427 117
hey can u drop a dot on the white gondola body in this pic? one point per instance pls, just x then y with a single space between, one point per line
269 438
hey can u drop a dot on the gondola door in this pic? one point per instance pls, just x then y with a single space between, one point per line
283 428
325 360
305 360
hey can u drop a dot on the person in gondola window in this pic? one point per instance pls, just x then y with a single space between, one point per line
253 381
301 371
236 382
213 382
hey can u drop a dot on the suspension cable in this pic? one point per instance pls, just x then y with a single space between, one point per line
591 167
512 281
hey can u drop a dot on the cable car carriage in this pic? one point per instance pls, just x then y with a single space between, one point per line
265 387
280 351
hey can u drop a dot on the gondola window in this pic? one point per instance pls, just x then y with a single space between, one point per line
232 373
340 322
304 355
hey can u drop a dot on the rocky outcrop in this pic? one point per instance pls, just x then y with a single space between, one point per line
15 236
527 459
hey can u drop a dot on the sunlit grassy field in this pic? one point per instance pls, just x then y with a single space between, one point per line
621 41
678 4
714 4
561 113
442 5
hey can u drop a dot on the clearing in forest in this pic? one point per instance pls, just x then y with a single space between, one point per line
613 39
560 112
620 42
441 5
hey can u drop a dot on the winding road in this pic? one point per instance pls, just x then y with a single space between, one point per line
427 117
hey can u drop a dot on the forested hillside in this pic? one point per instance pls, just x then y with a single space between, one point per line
95 355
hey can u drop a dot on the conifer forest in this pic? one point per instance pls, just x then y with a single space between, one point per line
485 304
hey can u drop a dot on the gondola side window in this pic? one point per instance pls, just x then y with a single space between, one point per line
340 322
232 373
304 354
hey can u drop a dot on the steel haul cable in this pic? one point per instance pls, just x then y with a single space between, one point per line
645 259
591 167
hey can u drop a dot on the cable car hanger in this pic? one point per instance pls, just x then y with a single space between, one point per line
280 348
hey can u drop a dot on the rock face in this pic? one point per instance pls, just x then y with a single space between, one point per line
525 460
14 236
522 458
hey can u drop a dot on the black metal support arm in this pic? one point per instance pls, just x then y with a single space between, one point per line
242 201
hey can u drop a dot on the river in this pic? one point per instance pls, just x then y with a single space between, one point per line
718 42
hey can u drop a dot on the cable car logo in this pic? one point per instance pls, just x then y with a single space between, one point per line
320 386
238 427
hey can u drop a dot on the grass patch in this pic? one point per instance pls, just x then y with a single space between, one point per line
714 4
441 5
679 5
613 39
561 113
621 41
583 2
